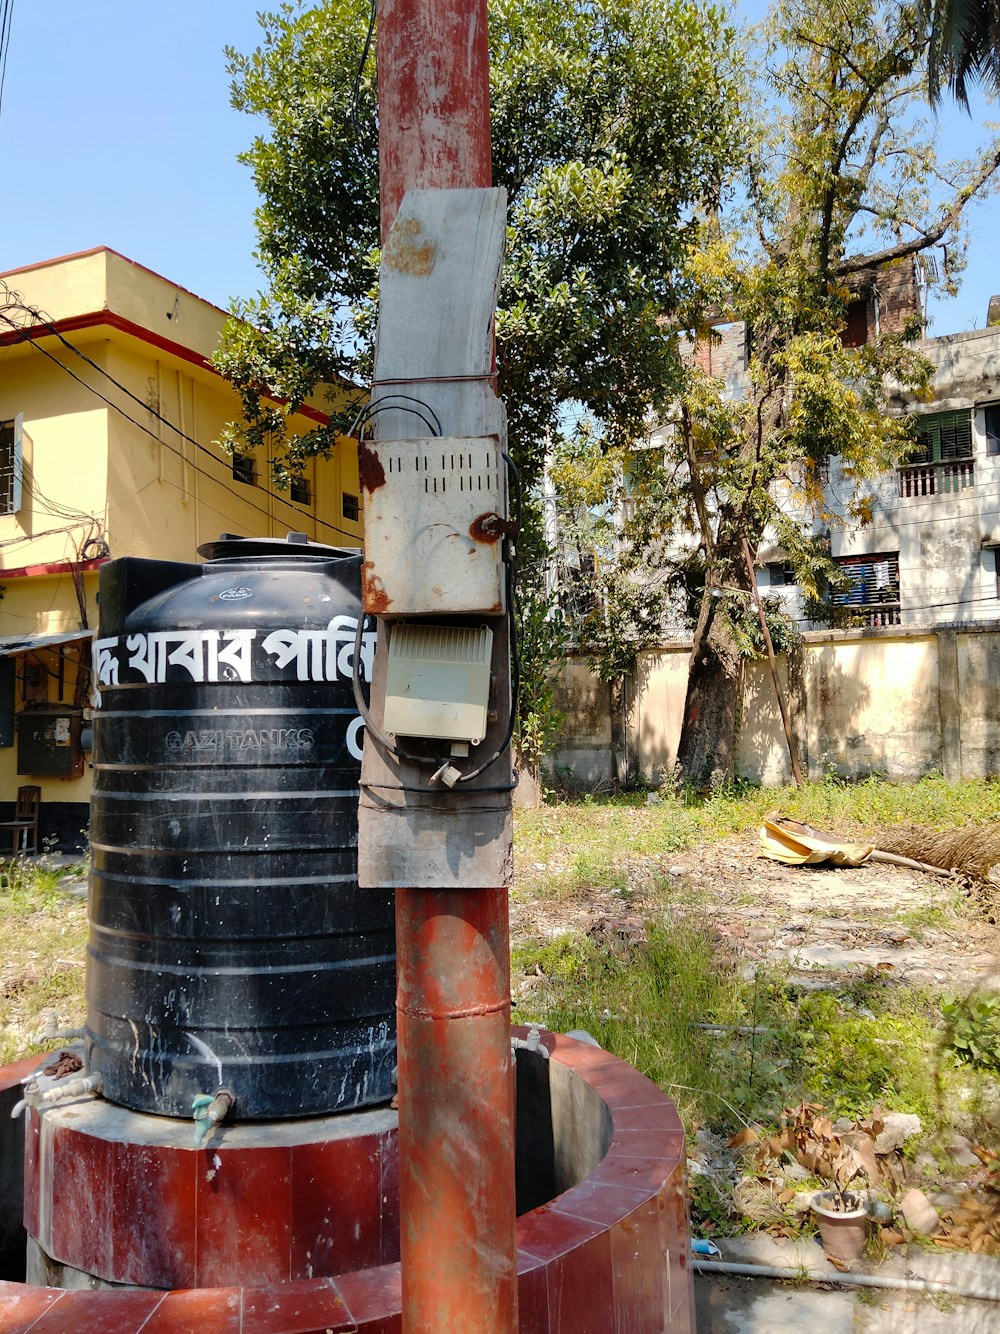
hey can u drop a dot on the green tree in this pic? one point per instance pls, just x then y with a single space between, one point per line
611 131
964 46
842 183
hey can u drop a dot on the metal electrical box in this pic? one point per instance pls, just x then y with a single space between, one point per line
434 520
49 743
438 681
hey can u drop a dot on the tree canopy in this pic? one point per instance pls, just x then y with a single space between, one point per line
963 47
611 133
842 187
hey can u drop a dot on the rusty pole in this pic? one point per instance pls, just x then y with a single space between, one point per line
456 1094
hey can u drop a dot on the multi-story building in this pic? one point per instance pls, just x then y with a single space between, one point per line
109 414
929 554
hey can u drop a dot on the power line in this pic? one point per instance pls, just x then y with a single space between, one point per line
6 14
14 300
156 414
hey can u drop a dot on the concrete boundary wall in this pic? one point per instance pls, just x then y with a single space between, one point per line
901 702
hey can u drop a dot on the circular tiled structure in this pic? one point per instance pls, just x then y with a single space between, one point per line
607 1250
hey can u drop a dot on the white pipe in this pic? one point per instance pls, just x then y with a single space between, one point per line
70 1087
842 1279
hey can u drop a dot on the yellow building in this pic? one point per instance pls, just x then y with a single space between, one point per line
91 468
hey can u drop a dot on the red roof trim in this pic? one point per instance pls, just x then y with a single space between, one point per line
54 567
111 319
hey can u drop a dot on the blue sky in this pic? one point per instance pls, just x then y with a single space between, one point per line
116 129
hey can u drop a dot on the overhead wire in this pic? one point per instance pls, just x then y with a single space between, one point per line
356 88
153 412
6 15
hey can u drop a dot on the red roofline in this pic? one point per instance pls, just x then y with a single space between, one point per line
111 319
54 567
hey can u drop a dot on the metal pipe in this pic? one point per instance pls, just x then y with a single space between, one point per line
66 1090
456 1112
841 1278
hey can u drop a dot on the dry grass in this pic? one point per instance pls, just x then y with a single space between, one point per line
972 852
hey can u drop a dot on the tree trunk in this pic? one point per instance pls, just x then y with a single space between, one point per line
706 751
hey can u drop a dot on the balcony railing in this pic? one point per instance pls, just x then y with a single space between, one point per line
936 479
877 617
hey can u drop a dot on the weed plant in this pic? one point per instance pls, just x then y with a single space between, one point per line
42 942
731 1049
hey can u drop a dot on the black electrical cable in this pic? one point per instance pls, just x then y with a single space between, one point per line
352 114
510 566
153 412
5 22
382 405
429 792
370 726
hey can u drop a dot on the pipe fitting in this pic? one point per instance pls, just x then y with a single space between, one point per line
52 1030
210 1111
533 1042
72 1086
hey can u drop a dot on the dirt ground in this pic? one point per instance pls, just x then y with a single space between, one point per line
817 920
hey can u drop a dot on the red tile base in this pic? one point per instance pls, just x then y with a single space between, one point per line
608 1254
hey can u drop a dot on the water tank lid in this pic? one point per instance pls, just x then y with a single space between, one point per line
230 545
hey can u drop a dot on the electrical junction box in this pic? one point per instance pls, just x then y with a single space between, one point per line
438 682
434 521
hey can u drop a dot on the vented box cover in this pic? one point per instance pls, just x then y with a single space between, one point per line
438 681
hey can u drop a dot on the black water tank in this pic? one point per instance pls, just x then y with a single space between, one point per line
229 944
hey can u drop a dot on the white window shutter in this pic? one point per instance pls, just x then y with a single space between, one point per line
18 460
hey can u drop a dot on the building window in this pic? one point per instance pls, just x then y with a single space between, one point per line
991 420
245 469
855 330
350 508
301 491
780 575
871 594
10 466
943 462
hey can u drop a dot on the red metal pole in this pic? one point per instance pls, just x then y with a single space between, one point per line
433 98
456 1090
456 1112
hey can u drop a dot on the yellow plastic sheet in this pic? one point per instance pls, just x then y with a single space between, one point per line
785 840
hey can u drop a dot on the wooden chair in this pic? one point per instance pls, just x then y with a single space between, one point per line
23 829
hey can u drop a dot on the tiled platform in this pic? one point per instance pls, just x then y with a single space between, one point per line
608 1255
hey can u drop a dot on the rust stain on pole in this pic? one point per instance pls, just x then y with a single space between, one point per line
371 473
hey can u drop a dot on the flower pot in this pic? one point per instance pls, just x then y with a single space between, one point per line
841 1231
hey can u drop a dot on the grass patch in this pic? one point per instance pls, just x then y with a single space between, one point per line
43 936
732 1049
604 834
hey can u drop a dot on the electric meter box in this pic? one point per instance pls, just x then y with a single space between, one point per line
438 681
434 521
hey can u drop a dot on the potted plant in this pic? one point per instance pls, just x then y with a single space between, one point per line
837 1157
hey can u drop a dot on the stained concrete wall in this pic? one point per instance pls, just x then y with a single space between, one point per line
862 702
